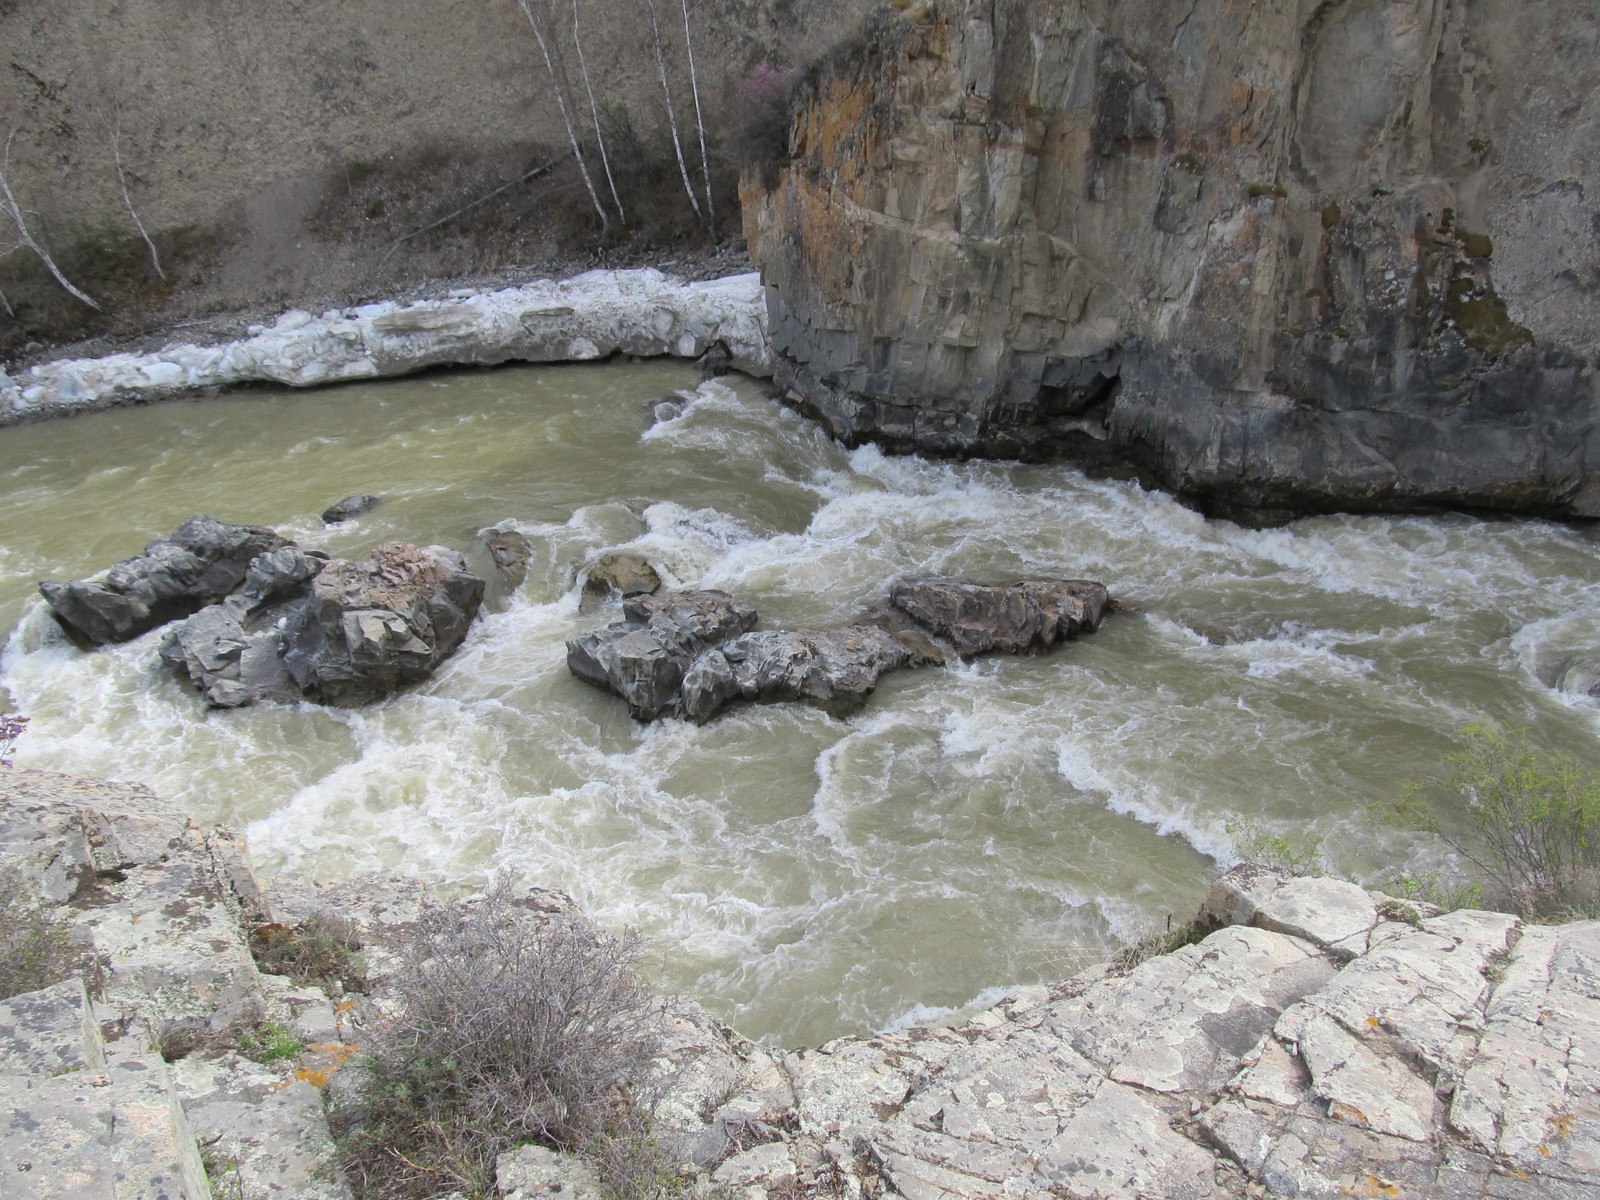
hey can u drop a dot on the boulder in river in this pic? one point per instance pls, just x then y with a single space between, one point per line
369 627
344 632
836 669
349 507
691 653
1028 617
199 563
643 657
622 571
510 551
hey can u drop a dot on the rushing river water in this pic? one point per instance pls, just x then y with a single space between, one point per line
976 826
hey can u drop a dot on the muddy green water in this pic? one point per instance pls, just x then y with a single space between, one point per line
974 827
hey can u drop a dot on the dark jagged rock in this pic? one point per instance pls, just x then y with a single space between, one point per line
643 657
370 627
1028 617
691 653
836 669
350 506
622 571
510 551
233 651
199 563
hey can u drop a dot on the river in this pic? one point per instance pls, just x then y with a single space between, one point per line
973 827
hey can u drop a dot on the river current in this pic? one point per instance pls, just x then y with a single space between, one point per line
973 827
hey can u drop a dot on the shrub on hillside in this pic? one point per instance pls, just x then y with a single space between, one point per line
512 1026
1528 821
36 944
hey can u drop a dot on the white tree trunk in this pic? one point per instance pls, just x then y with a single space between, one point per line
115 127
26 238
594 111
699 124
672 116
566 117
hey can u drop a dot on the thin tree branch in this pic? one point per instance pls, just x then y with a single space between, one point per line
541 169
594 110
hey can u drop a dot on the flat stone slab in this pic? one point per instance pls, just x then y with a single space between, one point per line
50 1032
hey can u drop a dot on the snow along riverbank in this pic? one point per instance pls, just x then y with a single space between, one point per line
590 316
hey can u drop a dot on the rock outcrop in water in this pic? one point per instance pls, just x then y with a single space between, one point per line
1285 256
1316 1041
276 622
339 632
196 564
690 653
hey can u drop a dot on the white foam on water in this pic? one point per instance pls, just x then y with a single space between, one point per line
984 821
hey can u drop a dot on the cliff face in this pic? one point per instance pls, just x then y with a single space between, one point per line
303 152
1287 255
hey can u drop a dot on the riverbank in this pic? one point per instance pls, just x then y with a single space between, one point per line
640 312
1317 1041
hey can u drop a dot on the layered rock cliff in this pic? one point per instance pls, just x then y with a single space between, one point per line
1290 255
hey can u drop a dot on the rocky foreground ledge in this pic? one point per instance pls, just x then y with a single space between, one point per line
590 316
1318 1041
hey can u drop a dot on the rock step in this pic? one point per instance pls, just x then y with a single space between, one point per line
118 1133
50 1032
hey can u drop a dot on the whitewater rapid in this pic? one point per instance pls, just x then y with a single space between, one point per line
977 826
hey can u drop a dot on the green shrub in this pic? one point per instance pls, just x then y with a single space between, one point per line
36 943
511 1026
1296 853
1528 821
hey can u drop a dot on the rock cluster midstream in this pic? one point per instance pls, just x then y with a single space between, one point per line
258 618
1319 1040
693 653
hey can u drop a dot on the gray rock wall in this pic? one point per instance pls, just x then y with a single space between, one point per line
1290 255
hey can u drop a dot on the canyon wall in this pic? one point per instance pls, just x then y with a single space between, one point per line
313 152
1283 256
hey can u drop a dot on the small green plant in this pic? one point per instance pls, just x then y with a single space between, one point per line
269 1042
1448 892
37 948
1295 853
511 1026
1528 820
222 1172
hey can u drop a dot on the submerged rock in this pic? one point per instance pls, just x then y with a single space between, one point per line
349 507
510 551
199 563
1028 617
622 571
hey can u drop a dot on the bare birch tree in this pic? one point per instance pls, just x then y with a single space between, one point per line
25 238
594 110
672 116
566 117
699 124
114 132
